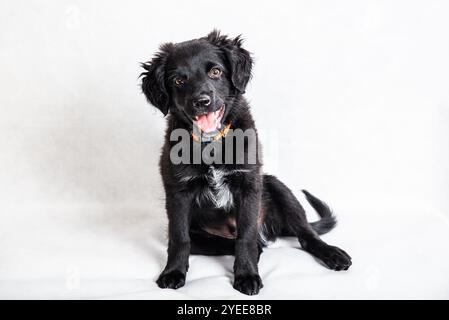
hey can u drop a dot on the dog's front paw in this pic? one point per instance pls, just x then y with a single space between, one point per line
335 258
171 280
249 284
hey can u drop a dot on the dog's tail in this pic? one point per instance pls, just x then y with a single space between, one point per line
327 221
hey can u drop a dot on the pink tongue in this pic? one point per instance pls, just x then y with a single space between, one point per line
208 122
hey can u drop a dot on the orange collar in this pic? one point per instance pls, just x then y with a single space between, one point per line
221 133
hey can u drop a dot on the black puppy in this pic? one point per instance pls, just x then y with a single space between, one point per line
222 208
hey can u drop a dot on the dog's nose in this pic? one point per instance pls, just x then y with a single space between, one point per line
201 101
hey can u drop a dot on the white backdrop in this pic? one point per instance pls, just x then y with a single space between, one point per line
351 99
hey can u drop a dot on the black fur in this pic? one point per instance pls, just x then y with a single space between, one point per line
328 221
263 208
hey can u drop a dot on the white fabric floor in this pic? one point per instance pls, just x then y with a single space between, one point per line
116 252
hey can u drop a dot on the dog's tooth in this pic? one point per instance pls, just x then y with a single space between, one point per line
196 117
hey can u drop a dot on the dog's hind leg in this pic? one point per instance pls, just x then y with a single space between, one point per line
284 216
207 244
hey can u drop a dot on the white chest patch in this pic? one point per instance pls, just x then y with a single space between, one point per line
218 189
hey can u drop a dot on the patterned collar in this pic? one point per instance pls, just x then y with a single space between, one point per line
213 136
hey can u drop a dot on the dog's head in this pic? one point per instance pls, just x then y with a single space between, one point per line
198 79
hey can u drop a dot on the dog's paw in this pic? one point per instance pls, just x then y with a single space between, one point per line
249 284
335 258
171 280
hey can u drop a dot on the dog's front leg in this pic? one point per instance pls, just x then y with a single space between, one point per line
246 274
178 210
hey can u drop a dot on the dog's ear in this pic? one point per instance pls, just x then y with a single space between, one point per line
239 59
153 81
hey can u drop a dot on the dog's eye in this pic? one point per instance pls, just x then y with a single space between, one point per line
215 72
178 82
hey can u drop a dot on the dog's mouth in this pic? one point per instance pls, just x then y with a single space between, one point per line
210 121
